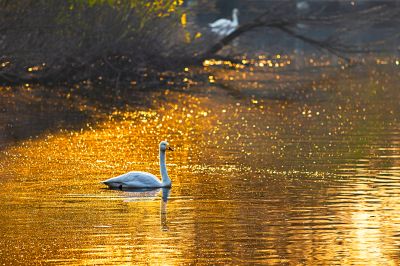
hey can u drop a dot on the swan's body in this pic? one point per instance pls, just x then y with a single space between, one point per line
134 179
137 179
224 27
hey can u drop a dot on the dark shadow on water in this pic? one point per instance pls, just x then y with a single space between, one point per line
25 126
28 112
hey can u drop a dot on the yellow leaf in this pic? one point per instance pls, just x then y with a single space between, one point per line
198 35
183 20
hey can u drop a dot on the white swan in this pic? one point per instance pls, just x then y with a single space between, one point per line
138 179
223 27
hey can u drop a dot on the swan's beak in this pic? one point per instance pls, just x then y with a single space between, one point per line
170 149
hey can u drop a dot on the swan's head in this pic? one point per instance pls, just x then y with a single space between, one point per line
165 146
235 11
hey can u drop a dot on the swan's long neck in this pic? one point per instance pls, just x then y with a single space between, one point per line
235 19
165 180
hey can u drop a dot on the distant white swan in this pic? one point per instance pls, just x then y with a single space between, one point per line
138 179
223 27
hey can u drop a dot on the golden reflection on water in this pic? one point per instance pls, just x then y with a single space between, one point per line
255 181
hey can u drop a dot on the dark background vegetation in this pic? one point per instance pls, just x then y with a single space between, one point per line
69 41
52 42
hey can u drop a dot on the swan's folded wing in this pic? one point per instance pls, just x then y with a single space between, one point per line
133 179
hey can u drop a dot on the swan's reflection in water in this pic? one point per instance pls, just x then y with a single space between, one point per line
148 194
163 209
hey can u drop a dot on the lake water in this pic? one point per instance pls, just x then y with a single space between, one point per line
309 176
